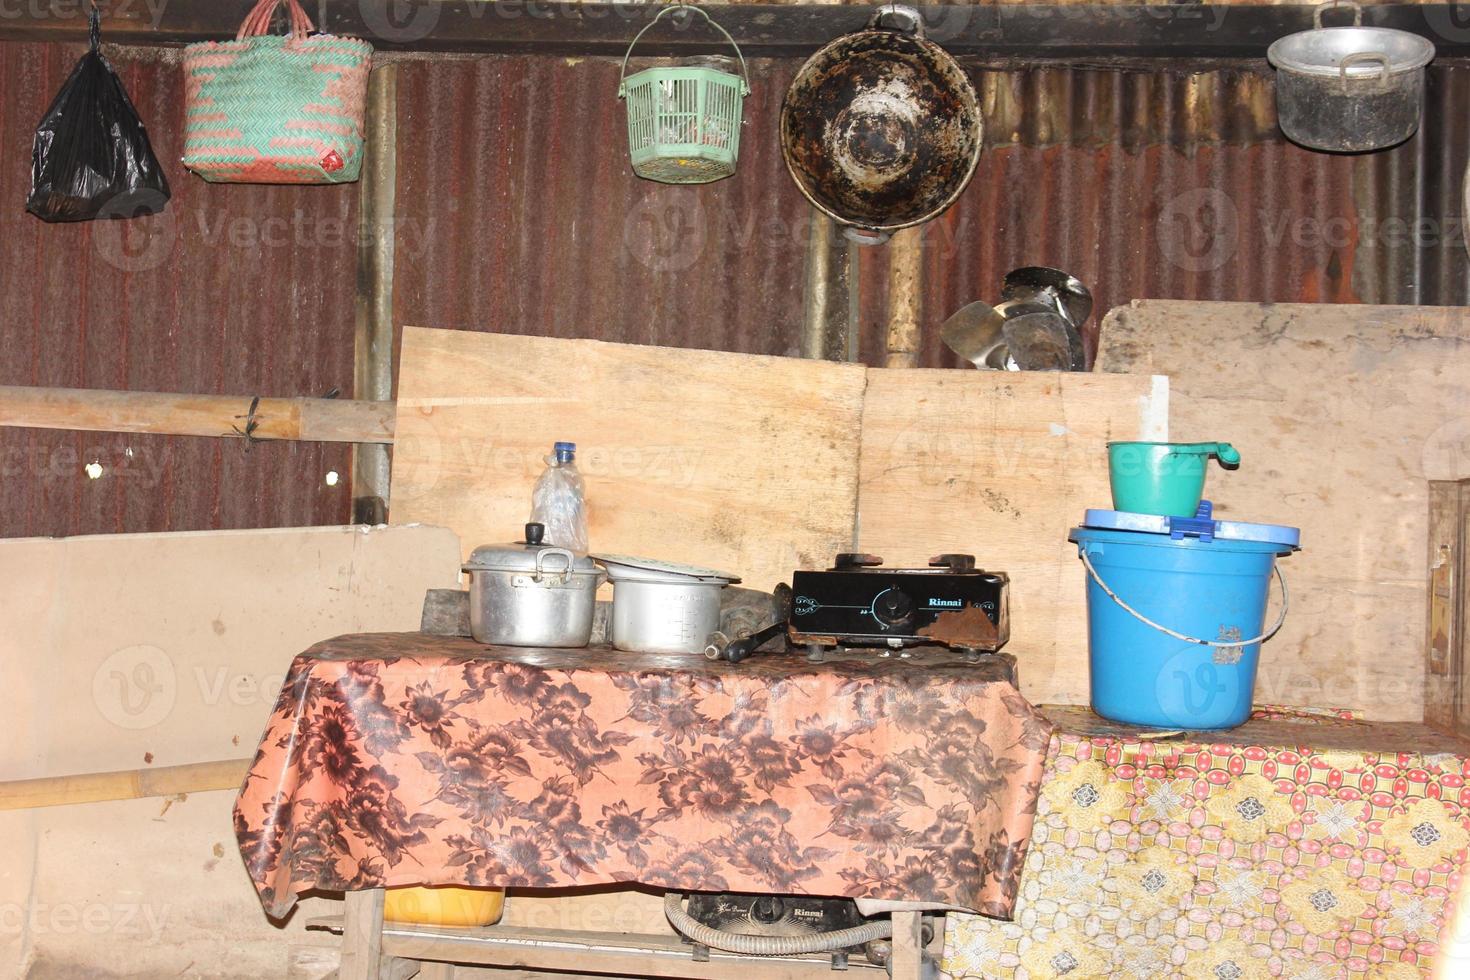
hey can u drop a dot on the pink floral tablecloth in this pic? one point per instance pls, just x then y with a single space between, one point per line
1303 845
400 758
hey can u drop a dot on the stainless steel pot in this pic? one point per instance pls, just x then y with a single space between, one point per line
1349 89
662 607
531 595
881 129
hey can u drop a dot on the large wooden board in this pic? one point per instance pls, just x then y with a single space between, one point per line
741 462
1001 466
1342 414
752 463
122 651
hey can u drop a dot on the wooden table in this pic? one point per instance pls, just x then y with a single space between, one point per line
375 950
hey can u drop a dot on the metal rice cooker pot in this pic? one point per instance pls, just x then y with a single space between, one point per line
1349 89
529 594
663 607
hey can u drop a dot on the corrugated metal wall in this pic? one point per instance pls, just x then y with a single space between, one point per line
232 290
517 212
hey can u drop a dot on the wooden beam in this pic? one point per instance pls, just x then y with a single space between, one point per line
1091 33
296 419
130 784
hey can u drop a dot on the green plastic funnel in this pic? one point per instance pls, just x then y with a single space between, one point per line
1165 478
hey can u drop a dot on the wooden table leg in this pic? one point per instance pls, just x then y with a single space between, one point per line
908 945
362 936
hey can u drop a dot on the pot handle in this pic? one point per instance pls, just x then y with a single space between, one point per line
566 556
1362 58
1322 8
915 22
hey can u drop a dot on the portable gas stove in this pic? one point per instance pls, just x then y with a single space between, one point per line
859 603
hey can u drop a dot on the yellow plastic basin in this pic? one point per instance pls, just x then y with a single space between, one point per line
444 905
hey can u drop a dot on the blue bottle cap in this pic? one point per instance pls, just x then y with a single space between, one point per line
565 451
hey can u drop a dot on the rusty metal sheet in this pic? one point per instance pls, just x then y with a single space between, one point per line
232 290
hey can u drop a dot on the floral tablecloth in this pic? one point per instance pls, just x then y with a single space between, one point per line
1301 845
402 758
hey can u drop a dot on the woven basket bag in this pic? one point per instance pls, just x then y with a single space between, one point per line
276 109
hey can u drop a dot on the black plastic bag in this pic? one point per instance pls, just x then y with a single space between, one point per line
91 156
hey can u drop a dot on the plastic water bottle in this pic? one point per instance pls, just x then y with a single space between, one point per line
559 500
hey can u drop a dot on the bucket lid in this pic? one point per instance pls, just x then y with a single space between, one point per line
1202 526
631 568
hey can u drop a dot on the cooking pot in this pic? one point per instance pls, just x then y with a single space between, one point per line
529 594
1348 89
881 129
663 607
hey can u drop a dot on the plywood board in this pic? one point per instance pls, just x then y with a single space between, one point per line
121 648
740 462
1002 465
1342 415
166 649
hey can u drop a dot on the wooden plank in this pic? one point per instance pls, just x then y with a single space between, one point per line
908 945
1094 32
594 952
1002 465
95 410
1444 678
740 462
130 784
1342 415
362 935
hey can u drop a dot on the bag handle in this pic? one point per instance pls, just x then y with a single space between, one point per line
257 23
1218 644
623 75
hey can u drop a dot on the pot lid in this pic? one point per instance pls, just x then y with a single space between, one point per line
628 566
1118 520
1374 51
520 556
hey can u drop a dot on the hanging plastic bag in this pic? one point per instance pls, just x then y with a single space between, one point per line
91 156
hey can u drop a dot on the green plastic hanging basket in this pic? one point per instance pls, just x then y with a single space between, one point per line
684 121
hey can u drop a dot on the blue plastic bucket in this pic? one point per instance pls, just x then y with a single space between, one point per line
1210 590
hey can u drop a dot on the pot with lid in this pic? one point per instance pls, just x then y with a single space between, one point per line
529 594
663 607
1349 89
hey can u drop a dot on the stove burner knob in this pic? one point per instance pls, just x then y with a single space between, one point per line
767 909
893 608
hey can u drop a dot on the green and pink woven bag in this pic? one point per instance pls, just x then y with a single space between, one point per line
276 109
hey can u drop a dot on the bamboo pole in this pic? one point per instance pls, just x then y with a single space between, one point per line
905 299
130 784
297 419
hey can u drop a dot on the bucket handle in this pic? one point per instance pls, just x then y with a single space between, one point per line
1322 8
1218 644
623 74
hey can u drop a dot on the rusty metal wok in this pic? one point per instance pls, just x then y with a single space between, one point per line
881 129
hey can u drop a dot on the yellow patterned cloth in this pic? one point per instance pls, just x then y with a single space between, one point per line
1304 845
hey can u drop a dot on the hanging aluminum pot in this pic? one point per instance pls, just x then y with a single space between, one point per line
881 129
1349 89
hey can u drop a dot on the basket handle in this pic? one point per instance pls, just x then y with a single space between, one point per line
623 75
1322 8
258 22
1218 644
